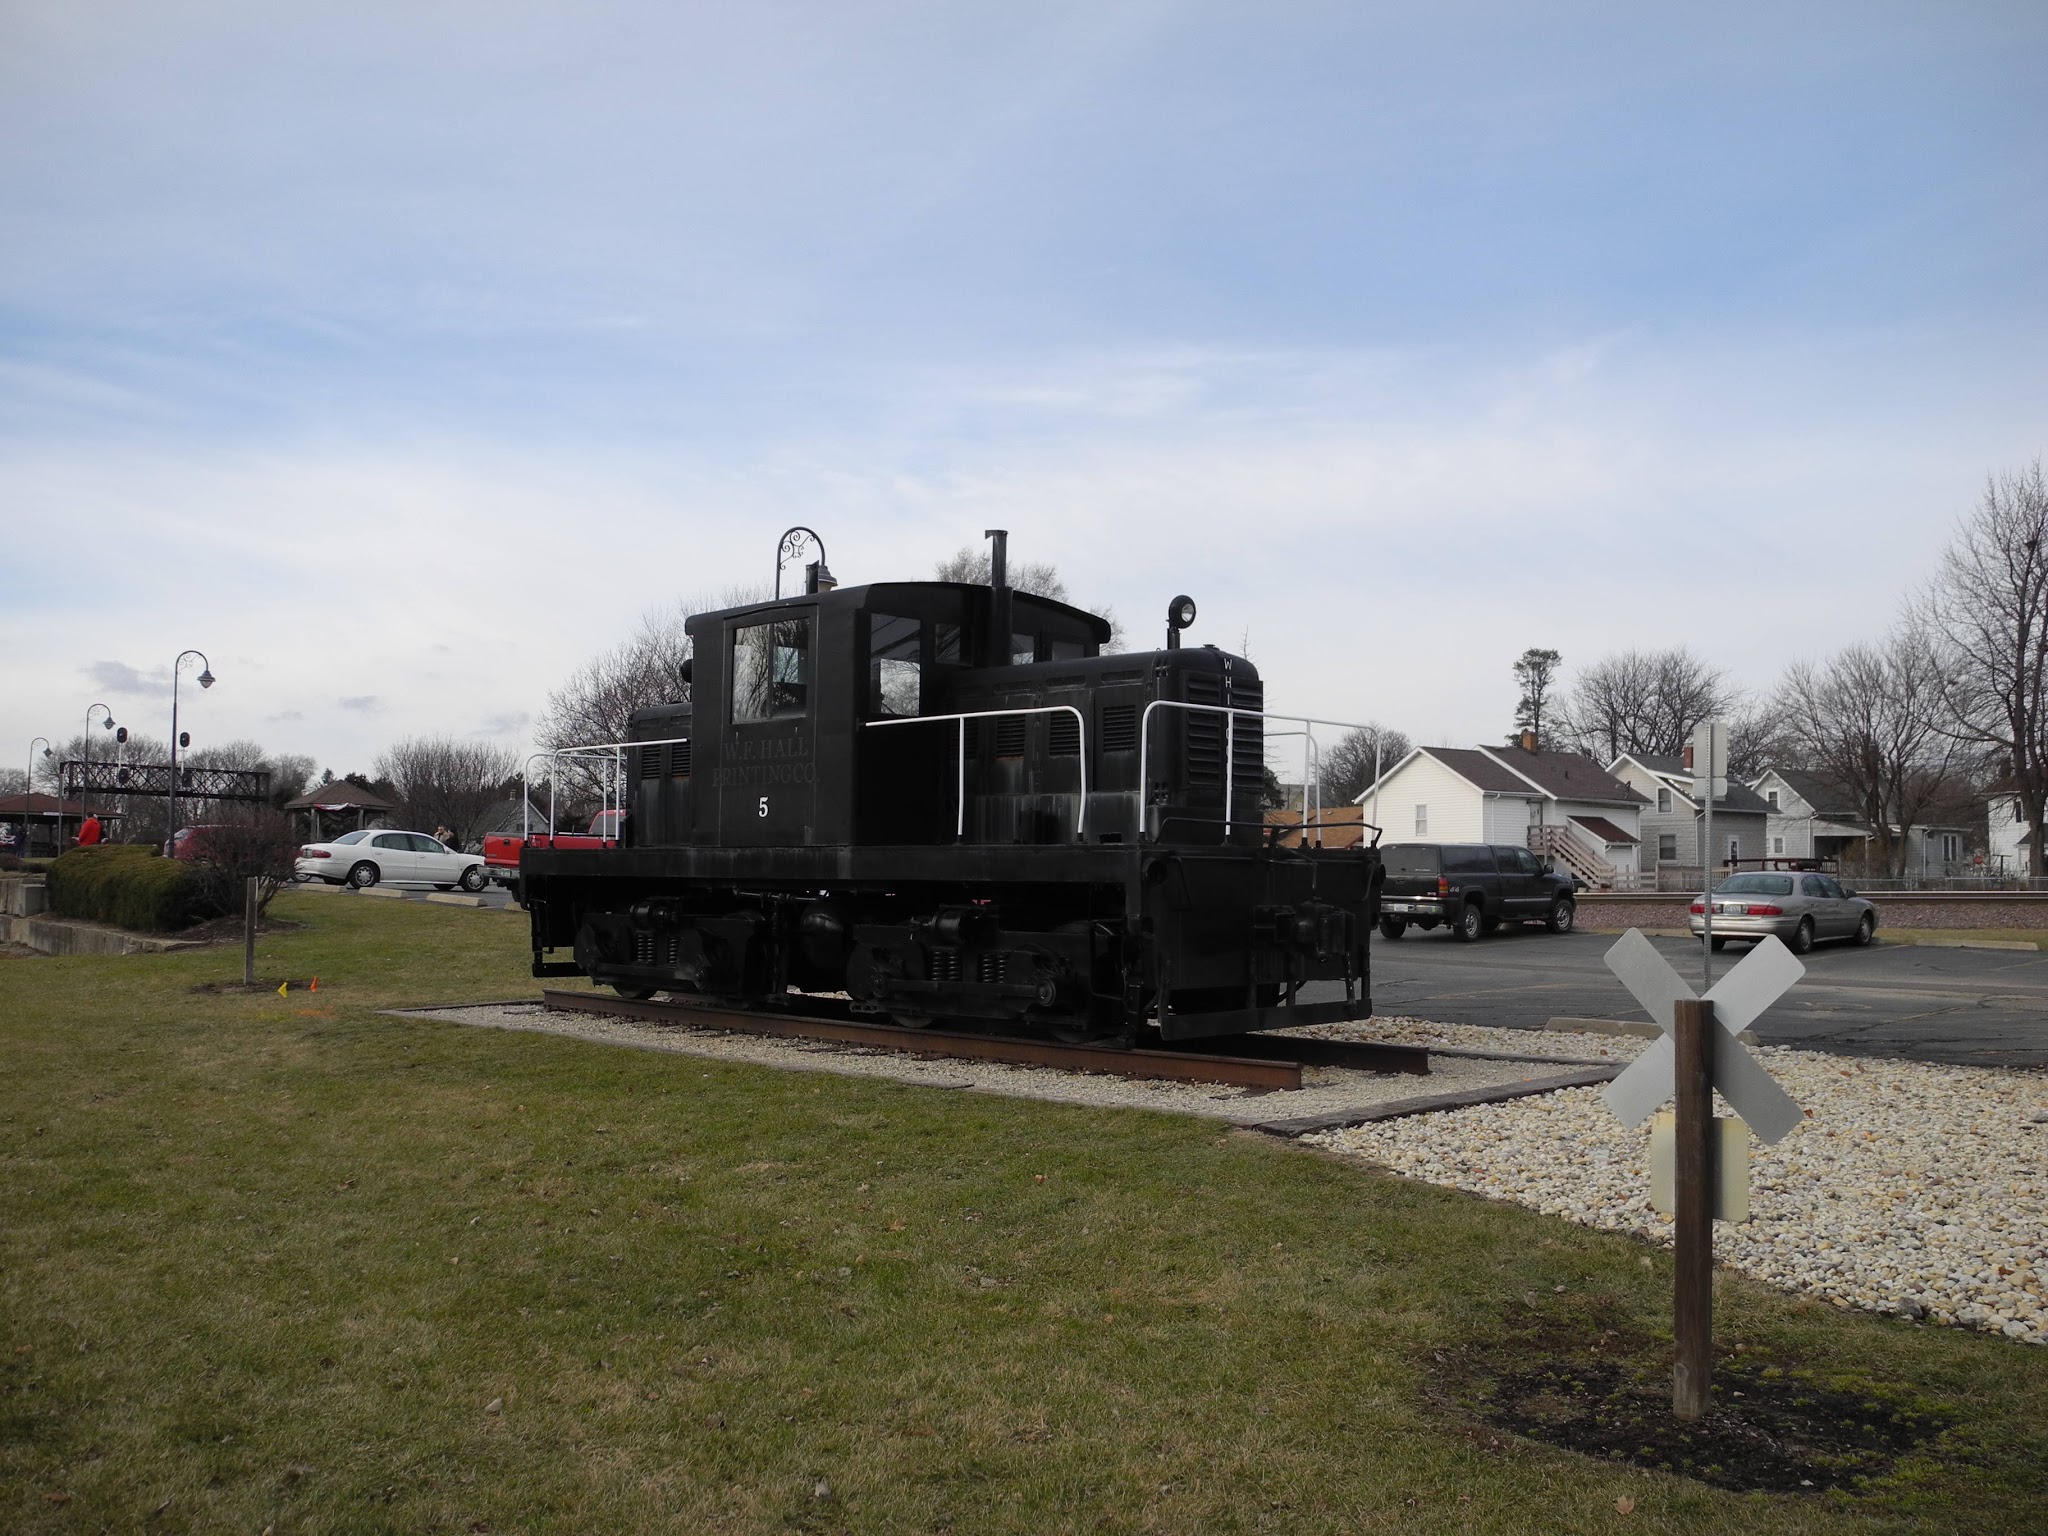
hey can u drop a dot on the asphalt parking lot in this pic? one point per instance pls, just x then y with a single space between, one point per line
1977 1007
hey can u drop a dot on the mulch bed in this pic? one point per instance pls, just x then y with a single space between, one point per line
1606 1392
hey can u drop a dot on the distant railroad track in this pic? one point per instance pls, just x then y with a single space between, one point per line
1994 898
1260 1061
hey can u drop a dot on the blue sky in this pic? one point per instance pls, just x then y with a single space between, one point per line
403 355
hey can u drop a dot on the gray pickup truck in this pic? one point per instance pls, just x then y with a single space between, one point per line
1472 888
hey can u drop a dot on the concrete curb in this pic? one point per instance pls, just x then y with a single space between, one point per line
1429 1104
450 899
60 936
1634 1028
2017 945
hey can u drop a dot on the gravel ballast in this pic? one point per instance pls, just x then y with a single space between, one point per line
1912 1189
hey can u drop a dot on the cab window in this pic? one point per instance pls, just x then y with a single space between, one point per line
895 665
771 670
1023 650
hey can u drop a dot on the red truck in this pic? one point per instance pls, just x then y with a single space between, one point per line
501 849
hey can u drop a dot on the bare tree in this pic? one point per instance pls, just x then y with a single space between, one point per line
1866 720
241 842
1039 577
1986 618
597 701
1642 702
289 772
1349 764
443 780
1536 673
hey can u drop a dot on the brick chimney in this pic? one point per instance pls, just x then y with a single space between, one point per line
1528 741
1687 757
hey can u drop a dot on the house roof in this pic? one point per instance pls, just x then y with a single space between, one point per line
1823 794
1566 776
1740 798
1480 768
1605 830
339 796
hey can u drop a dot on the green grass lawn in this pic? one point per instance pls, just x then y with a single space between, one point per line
287 1262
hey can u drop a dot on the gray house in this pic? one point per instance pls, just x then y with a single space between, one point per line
1813 818
1810 818
1674 821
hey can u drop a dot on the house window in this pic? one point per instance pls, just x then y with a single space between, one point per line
1952 846
1771 798
1422 821
1667 847
1663 802
1777 845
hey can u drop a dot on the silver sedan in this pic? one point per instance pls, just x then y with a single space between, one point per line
1799 906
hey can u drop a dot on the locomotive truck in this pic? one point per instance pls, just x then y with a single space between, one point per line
941 801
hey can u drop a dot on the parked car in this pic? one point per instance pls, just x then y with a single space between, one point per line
1472 887
502 849
381 856
1800 907
190 842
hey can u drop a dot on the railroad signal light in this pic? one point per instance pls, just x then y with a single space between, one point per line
121 735
184 738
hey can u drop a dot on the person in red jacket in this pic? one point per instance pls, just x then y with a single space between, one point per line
89 832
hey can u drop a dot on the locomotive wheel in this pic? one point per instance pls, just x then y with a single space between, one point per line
634 993
912 1020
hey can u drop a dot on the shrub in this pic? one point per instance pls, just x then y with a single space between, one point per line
246 841
129 887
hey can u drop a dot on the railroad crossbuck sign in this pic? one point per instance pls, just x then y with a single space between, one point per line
1741 996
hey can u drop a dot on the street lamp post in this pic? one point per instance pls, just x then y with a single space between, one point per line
205 681
83 803
816 576
28 793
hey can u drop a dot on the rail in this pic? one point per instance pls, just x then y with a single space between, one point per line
960 819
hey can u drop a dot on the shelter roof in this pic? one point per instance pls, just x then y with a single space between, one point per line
339 796
40 805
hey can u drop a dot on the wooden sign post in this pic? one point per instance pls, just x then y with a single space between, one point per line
249 933
1692 1301
1700 1051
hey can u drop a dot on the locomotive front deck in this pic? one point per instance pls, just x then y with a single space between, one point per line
942 801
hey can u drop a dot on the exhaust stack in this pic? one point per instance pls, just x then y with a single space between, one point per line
999 597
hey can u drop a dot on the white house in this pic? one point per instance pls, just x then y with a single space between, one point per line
1562 804
2010 835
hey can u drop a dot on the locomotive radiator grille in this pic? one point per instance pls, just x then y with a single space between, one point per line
1119 727
1248 755
1205 732
679 760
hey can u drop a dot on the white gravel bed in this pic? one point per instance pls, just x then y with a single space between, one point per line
1528 1044
1324 1090
1912 1189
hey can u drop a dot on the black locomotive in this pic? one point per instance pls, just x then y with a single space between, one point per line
942 801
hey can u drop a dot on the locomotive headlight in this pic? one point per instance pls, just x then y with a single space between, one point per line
1180 613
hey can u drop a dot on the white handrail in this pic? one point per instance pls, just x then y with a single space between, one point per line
1311 757
960 821
613 780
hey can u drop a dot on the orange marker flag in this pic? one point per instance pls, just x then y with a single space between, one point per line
316 985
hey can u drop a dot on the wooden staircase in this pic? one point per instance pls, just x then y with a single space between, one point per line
1558 843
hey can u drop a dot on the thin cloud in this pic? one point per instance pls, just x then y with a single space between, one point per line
507 723
119 677
363 704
